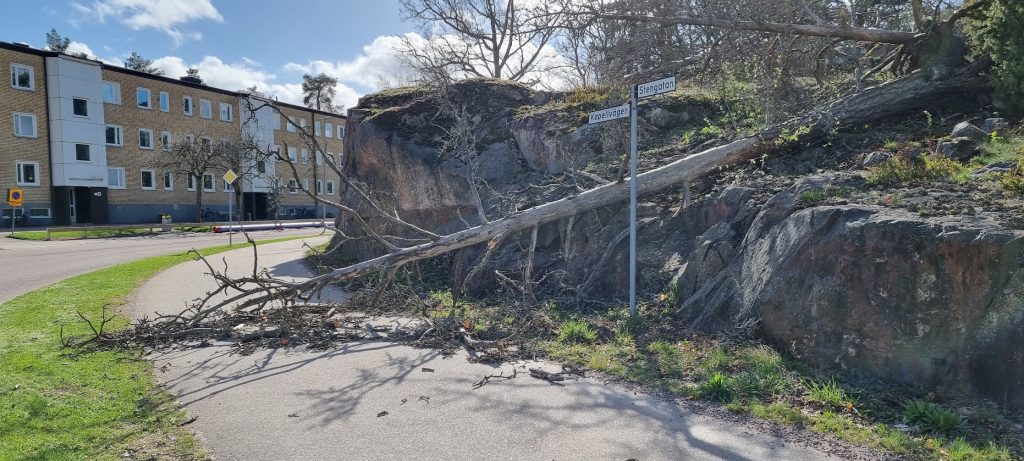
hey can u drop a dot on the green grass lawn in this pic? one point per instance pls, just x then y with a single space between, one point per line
98 233
59 404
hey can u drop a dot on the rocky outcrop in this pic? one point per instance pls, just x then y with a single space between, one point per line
884 292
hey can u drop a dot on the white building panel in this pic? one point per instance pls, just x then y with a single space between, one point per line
69 78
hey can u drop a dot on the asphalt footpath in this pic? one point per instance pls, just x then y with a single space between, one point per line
381 400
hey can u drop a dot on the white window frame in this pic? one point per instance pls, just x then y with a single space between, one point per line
209 109
149 98
73 114
330 188
293 186
151 140
305 156
190 183
119 130
117 92
230 109
168 174
226 186
19 174
316 128
152 179
31 77
213 183
305 185
319 158
341 131
88 150
170 140
293 155
120 175
164 101
35 125
290 124
329 130
207 143
189 108
319 187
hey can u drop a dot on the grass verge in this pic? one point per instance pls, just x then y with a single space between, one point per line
58 404
97 233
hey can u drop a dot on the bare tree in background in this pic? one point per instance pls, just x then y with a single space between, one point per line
481 38
196 154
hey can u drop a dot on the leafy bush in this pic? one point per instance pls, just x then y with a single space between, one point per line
916 411
996 34
932 418
576 331
898 171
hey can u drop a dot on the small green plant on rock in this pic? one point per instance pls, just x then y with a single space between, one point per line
829 394
717 387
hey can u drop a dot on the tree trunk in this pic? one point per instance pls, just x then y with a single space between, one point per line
874 104
199 201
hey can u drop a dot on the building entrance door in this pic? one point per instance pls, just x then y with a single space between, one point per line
72 218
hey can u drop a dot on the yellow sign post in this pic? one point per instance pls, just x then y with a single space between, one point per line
15 197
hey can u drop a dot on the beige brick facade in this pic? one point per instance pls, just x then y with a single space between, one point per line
126 199
14 149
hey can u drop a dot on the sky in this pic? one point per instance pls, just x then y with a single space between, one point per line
235 44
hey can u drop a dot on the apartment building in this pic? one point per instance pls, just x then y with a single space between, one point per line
87 139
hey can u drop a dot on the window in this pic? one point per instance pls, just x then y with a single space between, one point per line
80 107
142 98
319 159
82 152
341 131
205 109
330 158
261 166
305 184
329 130
145 139
22 77
291 125
319 187
165 102
293 186
302 123
191 183
208 185
115 135
291 154
316 128
28 173
186 105
168 180
228 187
165 140
24 125
330 187
111 93
305 155
206 145
225 112
115 178
148 182
39 213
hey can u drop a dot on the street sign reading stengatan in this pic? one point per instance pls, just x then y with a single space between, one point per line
664 85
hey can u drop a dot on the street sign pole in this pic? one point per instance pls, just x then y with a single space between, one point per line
632 200
231 232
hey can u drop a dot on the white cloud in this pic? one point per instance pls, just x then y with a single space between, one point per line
239 76
163 15
79 48
380 57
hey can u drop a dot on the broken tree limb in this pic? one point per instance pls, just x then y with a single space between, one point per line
912 92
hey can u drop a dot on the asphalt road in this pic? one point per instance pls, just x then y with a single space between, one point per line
27 265
375 400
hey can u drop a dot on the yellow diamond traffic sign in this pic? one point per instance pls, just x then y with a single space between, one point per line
230 176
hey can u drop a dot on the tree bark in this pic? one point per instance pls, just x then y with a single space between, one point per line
862 34
912 92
